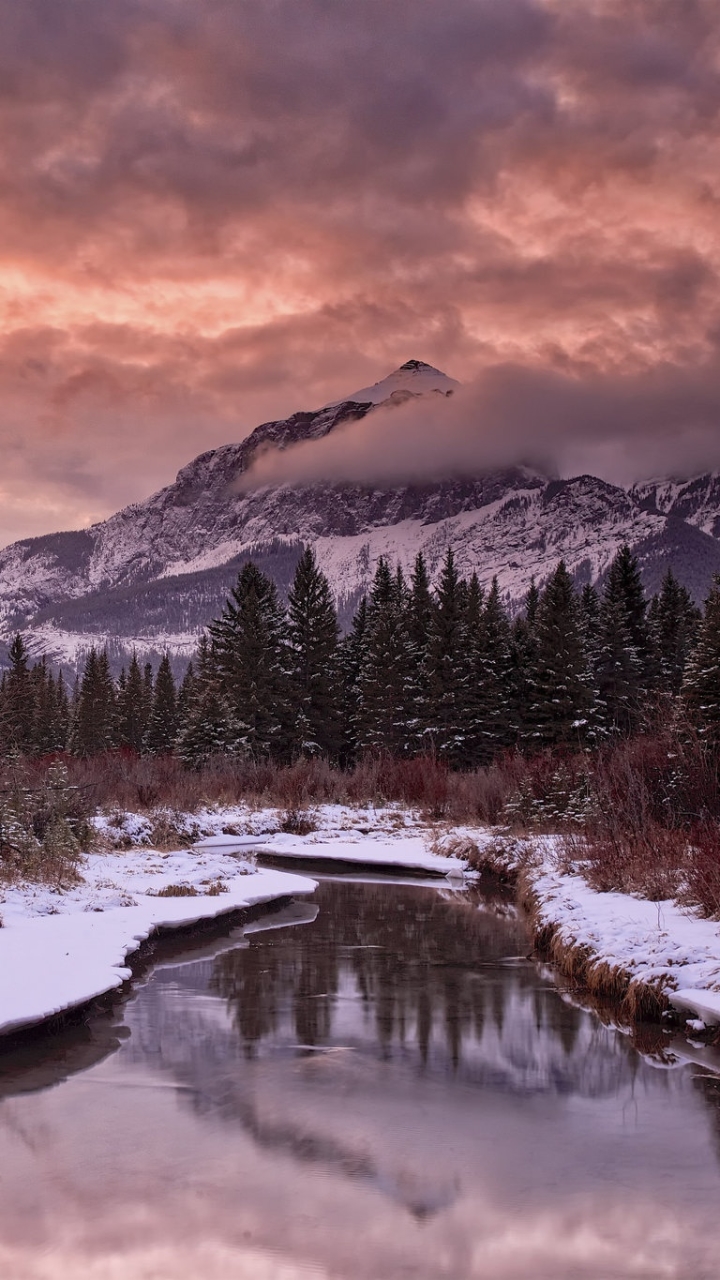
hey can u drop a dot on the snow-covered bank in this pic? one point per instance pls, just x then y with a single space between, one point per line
403 852
647 947
59 950
387 837
647 956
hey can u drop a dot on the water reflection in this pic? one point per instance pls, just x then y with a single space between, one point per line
380 1086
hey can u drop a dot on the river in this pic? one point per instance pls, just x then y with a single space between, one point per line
374 1084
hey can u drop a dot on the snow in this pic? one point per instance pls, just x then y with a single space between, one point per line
662 944
704 1003
419 380
223 841
59 950
407 853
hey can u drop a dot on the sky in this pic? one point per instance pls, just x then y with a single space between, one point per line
215 214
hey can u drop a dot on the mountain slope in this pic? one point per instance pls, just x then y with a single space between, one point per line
153 574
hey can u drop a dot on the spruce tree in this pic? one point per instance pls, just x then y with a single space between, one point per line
350 660
186 694
132 709
420 609
383 712
208 729
489 697
93 729
674 621
522 659
562 698
250 662
623 652
313 661
700 693
44 728
447 666
17 700
162 727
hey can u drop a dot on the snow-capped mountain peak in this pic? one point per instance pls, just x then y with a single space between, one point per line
152 576
414 378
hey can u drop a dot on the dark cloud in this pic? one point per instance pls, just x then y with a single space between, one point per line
221 212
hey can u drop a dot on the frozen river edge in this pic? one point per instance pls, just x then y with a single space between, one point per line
51 964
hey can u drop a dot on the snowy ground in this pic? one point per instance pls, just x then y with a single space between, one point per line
662 944
60 949
387 837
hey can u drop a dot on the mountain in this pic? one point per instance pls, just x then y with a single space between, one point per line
152 575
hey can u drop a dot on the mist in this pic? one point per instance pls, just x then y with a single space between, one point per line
661 422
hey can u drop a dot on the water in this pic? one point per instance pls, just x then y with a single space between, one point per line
379 1086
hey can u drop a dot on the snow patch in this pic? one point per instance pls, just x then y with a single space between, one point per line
59 950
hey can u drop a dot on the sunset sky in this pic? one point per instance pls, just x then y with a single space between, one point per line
214 212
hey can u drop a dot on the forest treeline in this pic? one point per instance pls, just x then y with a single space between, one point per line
443 672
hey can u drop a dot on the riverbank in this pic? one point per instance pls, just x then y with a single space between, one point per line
647 957
61 948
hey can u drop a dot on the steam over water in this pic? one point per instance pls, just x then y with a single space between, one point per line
380 1087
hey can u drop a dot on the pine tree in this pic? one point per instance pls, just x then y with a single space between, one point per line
313 635
162 727
489 697
623 650
674 621
186 694
447 666
562 702
209 729
132 708
522 659
93 729
700 693
45 729
350 661
17 700
420 611
383 713
249 660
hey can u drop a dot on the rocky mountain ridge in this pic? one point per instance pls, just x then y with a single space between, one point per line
153 574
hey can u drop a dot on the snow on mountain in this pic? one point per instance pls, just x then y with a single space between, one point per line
153 575
696 501
414 378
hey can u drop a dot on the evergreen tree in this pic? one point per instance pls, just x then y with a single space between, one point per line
420 610
700 694
249 661
447 666
489 697
622 647
17 700
209 729
562 701
186 694
43 709
350 660
132 708
313 635
590 620
522 659
162 727
674 621
93 729
382 721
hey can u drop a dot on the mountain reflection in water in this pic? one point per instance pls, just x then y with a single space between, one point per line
380 1086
